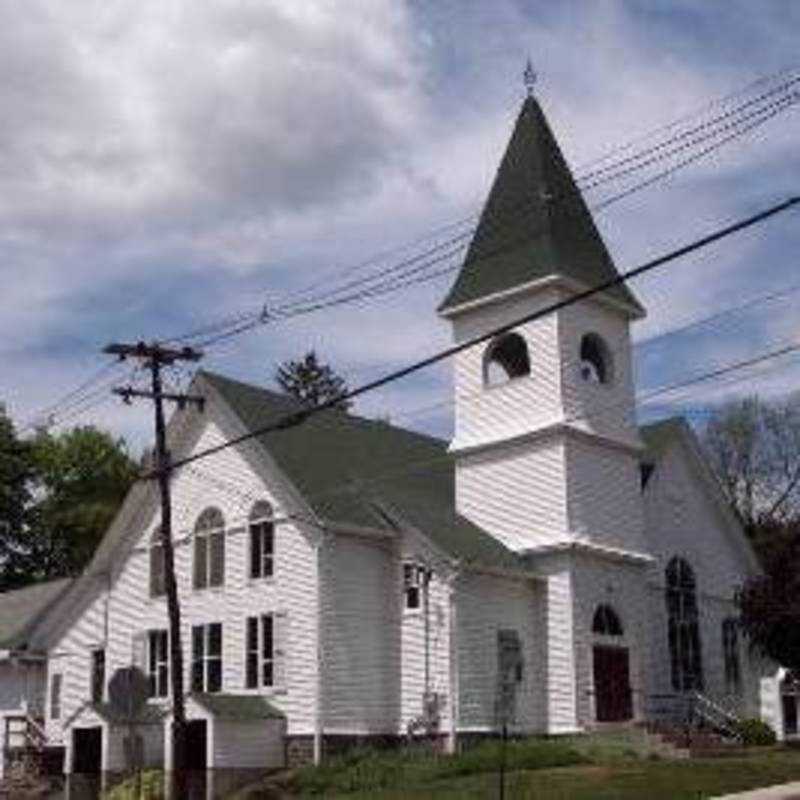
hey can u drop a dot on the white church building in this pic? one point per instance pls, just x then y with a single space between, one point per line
554 567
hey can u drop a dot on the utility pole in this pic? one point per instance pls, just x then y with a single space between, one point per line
154 356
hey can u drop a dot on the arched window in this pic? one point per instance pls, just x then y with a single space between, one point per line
683 629
262 540
506 358
209 549
157 580
596 361
606 622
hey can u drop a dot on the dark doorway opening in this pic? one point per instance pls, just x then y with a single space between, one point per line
87 750
196 757
790 713
612 689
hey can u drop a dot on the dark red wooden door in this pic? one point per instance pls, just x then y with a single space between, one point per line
612 689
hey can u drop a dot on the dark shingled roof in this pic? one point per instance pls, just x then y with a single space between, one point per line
239 707
534 224
22 609
334 459
149 715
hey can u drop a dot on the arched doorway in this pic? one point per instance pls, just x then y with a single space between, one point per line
611 668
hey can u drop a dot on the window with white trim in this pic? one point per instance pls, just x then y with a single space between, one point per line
207 657
260 656
262 540
55 696
158 662
209 549
415 581
98 674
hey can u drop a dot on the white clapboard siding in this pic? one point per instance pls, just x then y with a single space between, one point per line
623 586
516 492
606 409
361 645
681 519
485 605
233 489
491 414
248 745
604 500
416 637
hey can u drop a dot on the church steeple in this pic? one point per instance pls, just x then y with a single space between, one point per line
535 224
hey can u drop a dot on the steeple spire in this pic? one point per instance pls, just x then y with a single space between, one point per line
529 77
535 223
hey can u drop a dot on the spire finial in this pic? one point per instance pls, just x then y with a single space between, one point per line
529 77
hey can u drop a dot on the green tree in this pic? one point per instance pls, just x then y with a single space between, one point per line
769 604
311 381
79 480
15 483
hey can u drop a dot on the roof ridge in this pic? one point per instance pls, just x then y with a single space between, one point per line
354 419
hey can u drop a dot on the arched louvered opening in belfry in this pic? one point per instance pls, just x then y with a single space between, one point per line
506 358
683 628
262 540
596 363
209 549
606 621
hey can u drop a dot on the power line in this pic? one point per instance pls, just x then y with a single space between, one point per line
243 322
297 418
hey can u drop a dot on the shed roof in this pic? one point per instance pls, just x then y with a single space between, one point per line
238 707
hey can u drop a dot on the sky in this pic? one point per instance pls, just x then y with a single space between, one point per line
167 164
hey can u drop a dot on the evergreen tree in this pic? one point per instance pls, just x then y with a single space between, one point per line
311 381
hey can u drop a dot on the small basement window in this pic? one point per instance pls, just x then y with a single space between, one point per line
506 358
596 363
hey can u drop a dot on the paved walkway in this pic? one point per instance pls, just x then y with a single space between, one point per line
786 791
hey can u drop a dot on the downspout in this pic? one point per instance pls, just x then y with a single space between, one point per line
320 698
452 742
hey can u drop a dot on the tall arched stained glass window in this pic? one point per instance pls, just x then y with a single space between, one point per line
686 660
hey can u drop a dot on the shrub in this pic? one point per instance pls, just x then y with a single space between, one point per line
755 732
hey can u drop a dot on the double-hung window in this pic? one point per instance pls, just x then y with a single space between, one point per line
98 674
265 651
262 540
260 666
158 662
207 657
55 696
209 549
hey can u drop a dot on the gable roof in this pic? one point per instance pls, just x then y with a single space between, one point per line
659 437
354 471
22 609
535 224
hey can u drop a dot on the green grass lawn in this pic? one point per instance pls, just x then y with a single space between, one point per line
643 780
617 767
